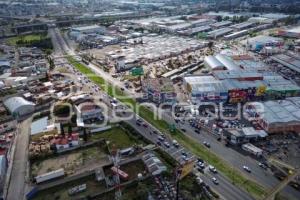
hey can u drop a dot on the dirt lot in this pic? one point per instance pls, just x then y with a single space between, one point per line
61 192
73 163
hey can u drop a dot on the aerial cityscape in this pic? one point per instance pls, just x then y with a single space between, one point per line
150 100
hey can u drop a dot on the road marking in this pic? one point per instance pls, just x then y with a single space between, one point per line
176 151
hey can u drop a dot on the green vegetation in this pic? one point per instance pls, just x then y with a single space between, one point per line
33 40
116 136
62 110
198 149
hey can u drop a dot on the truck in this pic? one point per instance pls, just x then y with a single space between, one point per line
50 175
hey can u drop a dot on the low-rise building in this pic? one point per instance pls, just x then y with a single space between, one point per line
159 90
280 116
19 107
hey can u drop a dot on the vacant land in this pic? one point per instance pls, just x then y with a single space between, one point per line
61 192
117 137
31 37
73 163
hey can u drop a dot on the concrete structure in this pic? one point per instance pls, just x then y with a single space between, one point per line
19 107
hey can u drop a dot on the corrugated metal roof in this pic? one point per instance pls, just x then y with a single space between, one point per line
229 64
14 103
213 62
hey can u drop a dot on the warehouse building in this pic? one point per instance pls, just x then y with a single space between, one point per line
219 32
241 75
89 29
205 89
242 26
213 63
220 62
236 35
259 42
194 31
279 116
221 24
19 107
293 33
290 61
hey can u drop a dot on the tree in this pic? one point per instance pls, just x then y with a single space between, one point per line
219 18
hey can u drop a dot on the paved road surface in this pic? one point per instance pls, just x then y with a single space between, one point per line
17 182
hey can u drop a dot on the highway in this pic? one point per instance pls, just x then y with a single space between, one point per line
225 189
233 157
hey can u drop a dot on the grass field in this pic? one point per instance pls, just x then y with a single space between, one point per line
13 40
116 136
236 177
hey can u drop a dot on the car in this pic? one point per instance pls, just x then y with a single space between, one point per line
215 180
162 135
200 165
183 153
262 165
161 138
184 157
167 144
154 132
158 142
197 131
183 130
206 144
145 125
246 168
175 143
212 169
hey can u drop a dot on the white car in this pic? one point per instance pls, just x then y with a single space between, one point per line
167 144
212 169
246 168
215 181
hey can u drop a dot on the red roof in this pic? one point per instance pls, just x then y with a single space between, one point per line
3 151
65 140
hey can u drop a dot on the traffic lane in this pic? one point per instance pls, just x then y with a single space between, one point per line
258 174
224 189
236 159
227 190
151 139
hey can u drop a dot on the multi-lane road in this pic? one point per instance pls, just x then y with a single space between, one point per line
237 160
